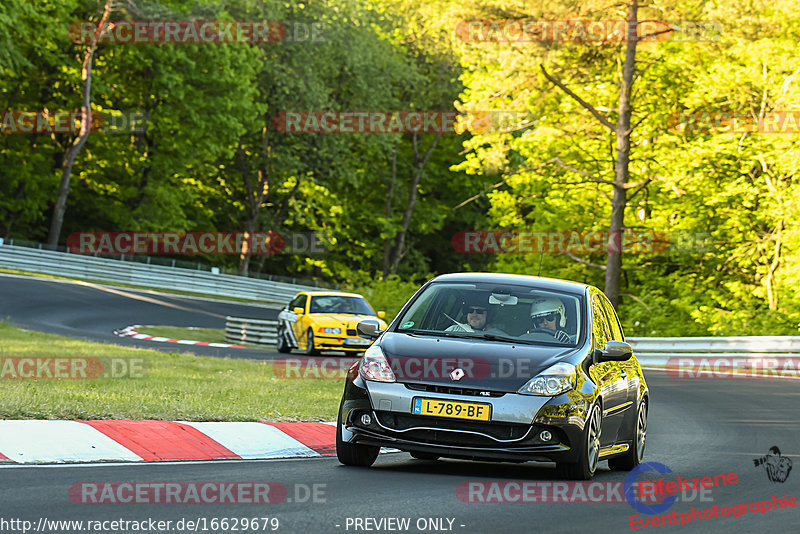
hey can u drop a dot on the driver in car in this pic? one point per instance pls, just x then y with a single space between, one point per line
548 315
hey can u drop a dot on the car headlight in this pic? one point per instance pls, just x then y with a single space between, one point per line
328 330
374 366
556 379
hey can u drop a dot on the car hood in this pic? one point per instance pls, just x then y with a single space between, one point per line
486 365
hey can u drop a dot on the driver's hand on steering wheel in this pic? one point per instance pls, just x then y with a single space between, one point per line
561 336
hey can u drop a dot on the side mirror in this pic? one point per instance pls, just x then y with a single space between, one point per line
369 328
614 351
381 314
297 311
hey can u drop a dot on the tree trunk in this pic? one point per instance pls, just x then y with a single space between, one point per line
254 200
86 124
387 212
623 132
416 175
772 292
277 219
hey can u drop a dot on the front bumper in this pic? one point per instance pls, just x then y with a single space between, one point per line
346 343
513 434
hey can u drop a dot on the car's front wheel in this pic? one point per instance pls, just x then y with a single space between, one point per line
310 349
635 454
588 449
353 453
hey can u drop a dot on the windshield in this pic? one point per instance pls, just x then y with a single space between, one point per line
336 304
496 313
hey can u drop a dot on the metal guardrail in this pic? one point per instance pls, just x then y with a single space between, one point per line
650 351
140 274
251 331
657 351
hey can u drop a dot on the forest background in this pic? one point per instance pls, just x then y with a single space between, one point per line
582 137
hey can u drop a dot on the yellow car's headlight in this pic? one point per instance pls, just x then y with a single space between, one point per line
329 330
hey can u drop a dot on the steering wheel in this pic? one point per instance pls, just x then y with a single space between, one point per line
542 331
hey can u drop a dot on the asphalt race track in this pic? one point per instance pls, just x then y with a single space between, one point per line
92 312
696 428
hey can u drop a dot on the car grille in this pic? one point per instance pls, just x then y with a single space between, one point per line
352 332
449 390
461 436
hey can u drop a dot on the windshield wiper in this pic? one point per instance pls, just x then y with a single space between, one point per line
495 337
469 335
463 335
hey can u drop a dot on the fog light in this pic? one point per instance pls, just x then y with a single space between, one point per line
545 435
366 420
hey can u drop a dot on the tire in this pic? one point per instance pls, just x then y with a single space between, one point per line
282 345
310 350
353 453
424 456
635 454
588 449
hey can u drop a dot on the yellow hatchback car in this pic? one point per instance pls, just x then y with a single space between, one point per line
324 320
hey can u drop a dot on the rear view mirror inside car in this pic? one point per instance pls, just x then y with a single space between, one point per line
502 298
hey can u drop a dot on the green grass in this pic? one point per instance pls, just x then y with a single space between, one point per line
209 335
173 386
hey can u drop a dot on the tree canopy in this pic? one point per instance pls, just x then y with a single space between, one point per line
565 128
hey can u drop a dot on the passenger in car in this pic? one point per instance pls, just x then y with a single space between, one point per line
478 310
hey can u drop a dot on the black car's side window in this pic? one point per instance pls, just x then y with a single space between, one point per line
599 324
613 320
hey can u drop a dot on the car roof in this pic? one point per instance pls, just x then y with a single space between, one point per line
331 294
520 279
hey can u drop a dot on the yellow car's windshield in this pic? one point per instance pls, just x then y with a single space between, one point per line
336 304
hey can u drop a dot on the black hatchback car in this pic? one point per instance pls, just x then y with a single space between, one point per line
498 367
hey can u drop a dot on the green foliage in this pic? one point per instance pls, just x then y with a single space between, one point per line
211 159
388 295
738 190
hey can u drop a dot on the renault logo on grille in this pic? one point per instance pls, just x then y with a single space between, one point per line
457 374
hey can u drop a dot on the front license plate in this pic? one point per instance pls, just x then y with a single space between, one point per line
357 341
456 410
